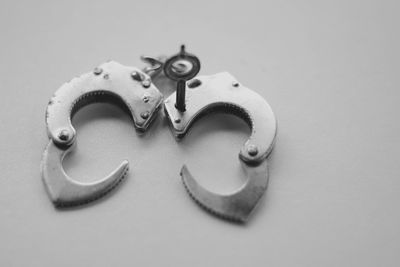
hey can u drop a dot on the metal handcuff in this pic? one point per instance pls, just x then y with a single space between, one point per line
134 88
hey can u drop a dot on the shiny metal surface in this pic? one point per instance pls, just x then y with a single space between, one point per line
63 190
111 82
223 93
127 87
236 206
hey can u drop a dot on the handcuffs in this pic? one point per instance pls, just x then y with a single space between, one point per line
133 90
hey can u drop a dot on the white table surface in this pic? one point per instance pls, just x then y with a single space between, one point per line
329 69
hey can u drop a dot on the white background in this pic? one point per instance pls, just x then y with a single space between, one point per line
330 71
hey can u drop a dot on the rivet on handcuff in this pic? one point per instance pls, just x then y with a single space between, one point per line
194 98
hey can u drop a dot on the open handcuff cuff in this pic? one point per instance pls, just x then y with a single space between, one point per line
195 96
